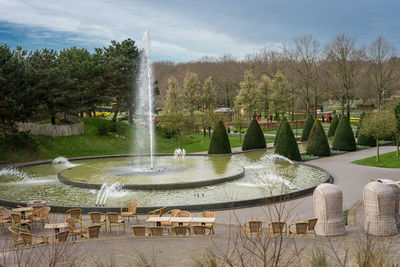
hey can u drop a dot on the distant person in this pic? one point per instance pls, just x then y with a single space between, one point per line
323 118
270 118
340 116
330 118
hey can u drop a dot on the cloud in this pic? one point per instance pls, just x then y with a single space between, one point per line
174 34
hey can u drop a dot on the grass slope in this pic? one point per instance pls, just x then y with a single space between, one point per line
387 160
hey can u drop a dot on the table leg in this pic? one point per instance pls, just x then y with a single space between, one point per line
56 231
158 223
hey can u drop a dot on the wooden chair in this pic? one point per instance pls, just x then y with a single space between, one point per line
45 215
208 214
58 238
74 213
182 213
172 213
157 230
138 230
97 218
31 239
181 230
40 215
277 228
5 217
131 211
17 239
73 229
199 229
19 222
113 219
156 213
301 228
253 226
311 224
93 231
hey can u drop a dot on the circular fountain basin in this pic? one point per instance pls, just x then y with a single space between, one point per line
169 172
264 179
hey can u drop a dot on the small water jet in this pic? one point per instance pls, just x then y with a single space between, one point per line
105 191
179 153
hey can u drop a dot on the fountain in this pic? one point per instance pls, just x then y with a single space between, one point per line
175 180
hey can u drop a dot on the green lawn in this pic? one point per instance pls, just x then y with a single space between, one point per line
90 144
387 160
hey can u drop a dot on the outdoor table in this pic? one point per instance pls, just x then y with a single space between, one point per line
22 210
181 220
157 220
55 226
203 220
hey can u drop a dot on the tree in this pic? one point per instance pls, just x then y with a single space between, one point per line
239 123
344 138
382 68
280 97
344 68
208 95
380 125
254 138
287 145
333 126
191 92
307 128
219 143
265 89
248 98
318 144
397 115
278 130
362 139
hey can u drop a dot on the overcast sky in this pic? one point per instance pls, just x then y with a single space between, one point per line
185 30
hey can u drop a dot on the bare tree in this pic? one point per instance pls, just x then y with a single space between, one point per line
382 67
344 68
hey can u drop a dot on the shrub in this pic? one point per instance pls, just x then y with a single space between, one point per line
362 139
318 144
334 124
107 127
219 143
307 128
344 138
279 130
24 140
254 138
287 145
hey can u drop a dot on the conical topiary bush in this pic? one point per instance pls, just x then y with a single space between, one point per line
279 130
362 139
287 145
254 138
344 138
219 143
307 128
317 142
334 124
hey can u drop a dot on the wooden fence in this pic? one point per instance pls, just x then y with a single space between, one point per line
52 130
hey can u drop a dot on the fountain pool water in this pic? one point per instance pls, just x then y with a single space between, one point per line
264 176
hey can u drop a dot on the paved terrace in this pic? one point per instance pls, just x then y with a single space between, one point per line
180 251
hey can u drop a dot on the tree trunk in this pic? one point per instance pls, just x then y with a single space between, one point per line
315 106
348 108
179 140
94 114
81 114
131 115
115 116
377 150
397 148
53 118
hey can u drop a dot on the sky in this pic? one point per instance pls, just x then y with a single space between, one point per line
188 30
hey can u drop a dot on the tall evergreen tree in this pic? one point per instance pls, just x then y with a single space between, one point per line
209 96
219 143
191 92
333 126
307 128
278 130
254 138
344 138
318 144
287 145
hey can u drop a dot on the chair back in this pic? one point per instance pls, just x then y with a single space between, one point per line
301 228
16 217
75 213
14 233
27 238
312 223
255 226
139 230
45 213
94 231
62 236
199 229
278 227
72 223
4 211
174 212
207 214
112 217
132 206
183 213
156 230
95 217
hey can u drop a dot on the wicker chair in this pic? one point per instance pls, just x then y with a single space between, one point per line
74 213
254 226
277 228
17 239
208 214
131 211
92 231
5 217
19 222
181 230
172 213
45 215
328 208
156 213
138 230
199 229
182 213
97 218
40 215
301 228
158 230
73 228
31 239
58 238
113 220
311 224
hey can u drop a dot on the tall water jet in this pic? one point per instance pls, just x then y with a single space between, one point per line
144 104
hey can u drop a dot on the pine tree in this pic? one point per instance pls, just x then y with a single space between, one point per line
334 124
279 130
318 144
344 138
307 128
287 145
254 138
219 143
